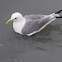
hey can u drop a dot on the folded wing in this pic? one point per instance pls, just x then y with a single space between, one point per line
33 25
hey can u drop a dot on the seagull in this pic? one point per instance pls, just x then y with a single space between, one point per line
31 24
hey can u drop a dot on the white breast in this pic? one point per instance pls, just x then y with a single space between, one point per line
18 26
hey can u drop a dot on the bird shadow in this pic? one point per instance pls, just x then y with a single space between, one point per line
38 40
41 36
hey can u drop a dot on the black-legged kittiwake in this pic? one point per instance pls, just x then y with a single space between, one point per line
31 24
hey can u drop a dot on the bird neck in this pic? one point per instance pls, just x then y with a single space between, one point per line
18 26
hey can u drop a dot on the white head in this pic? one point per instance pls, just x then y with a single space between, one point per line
15 17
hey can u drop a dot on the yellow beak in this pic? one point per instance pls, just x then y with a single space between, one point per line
9 21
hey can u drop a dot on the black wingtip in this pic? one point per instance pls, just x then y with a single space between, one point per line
58 12
59 17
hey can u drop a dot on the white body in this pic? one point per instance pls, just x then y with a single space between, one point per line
18 25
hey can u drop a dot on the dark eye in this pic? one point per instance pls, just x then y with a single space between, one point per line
15 18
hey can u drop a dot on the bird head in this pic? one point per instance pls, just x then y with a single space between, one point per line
15 17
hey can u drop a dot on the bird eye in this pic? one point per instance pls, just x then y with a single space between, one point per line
15 18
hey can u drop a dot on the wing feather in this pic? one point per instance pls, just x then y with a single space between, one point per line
34 25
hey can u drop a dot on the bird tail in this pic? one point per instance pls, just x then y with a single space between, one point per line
58 13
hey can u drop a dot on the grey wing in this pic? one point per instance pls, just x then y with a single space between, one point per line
35 25
34 16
